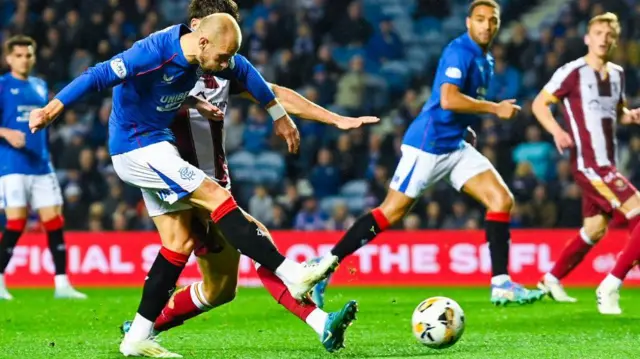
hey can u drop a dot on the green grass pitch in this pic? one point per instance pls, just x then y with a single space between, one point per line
35 325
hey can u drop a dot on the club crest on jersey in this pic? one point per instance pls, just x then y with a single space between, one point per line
118 67
187 174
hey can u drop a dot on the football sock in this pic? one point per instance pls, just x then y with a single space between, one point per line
185 304
10 236
363 231
575 251
308 313
158 287
633 222
246 237
630 255
55 238
497 232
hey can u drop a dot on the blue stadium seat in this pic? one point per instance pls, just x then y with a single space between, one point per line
355 188
269 168
328 203
242 165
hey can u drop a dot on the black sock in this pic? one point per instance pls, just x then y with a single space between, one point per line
58 250
498 238
158 287
7 243
363 231
249 240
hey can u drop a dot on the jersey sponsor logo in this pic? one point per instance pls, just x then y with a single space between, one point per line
453 72
172 102
24 112
118 67
187 174
607 107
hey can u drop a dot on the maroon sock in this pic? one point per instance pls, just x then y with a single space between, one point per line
575 251
630 254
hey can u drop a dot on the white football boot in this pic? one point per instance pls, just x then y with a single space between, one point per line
555 290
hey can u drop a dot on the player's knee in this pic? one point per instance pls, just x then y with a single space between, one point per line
593 232
500 201
214 191
220 292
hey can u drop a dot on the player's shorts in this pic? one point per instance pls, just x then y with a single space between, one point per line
604 190
34 191
419 170
162 175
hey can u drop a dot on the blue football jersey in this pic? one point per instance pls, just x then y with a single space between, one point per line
464 64
17 99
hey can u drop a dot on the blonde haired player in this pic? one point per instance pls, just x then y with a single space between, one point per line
591 90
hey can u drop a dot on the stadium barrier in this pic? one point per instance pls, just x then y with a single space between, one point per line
422 258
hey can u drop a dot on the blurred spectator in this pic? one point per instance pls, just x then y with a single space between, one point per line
411 222
310 218
542 211
519 48
540 154
432 8
257 132
458 218
325 87
290 201
233 130
353 29
345 161
279 218
570 208
433 216
260 205
340 220
352 87
303 46
325 176
332 69
385 45
505 83
75 210
524 181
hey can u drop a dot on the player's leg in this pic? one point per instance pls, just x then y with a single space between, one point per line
416 171
608 290
594 227
476 176
13 193
46 199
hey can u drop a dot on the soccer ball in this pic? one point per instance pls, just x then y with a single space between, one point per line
438 322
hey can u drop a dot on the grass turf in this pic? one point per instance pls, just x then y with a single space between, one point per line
35 325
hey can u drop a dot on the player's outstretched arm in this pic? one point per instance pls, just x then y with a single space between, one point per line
452 99
142 57
243 71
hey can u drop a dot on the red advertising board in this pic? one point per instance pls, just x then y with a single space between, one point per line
394 259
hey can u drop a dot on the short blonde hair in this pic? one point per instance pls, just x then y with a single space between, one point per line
609 18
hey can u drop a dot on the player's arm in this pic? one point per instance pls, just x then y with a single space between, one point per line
453 72
250 78
297 105
626 115
558 88
141 57
15 138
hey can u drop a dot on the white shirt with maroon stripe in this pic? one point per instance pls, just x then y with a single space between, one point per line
591 103
201 141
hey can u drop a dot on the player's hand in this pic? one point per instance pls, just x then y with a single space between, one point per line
507 109
631 116
38 120
209 111
16 139
286 129
563 141
347 123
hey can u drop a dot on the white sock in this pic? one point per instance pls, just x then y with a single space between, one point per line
500 279
548 277
61 281
610 281
317 320
585 237
289 271
140 329
196 290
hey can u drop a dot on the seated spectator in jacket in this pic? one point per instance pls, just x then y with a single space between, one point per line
385 44
325 176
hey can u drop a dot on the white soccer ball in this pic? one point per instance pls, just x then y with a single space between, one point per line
438 322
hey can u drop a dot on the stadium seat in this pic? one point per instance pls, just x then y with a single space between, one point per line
328 203
355 188
269 168
242 164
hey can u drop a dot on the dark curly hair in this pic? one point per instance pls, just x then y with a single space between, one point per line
203 8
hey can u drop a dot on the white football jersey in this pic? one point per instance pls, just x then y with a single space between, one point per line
201 141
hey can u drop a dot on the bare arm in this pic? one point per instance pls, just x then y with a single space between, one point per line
543 113
453 100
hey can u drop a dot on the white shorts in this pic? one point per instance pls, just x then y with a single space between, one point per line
35 191
419 170
162 175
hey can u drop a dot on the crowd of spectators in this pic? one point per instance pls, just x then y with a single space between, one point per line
346 57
